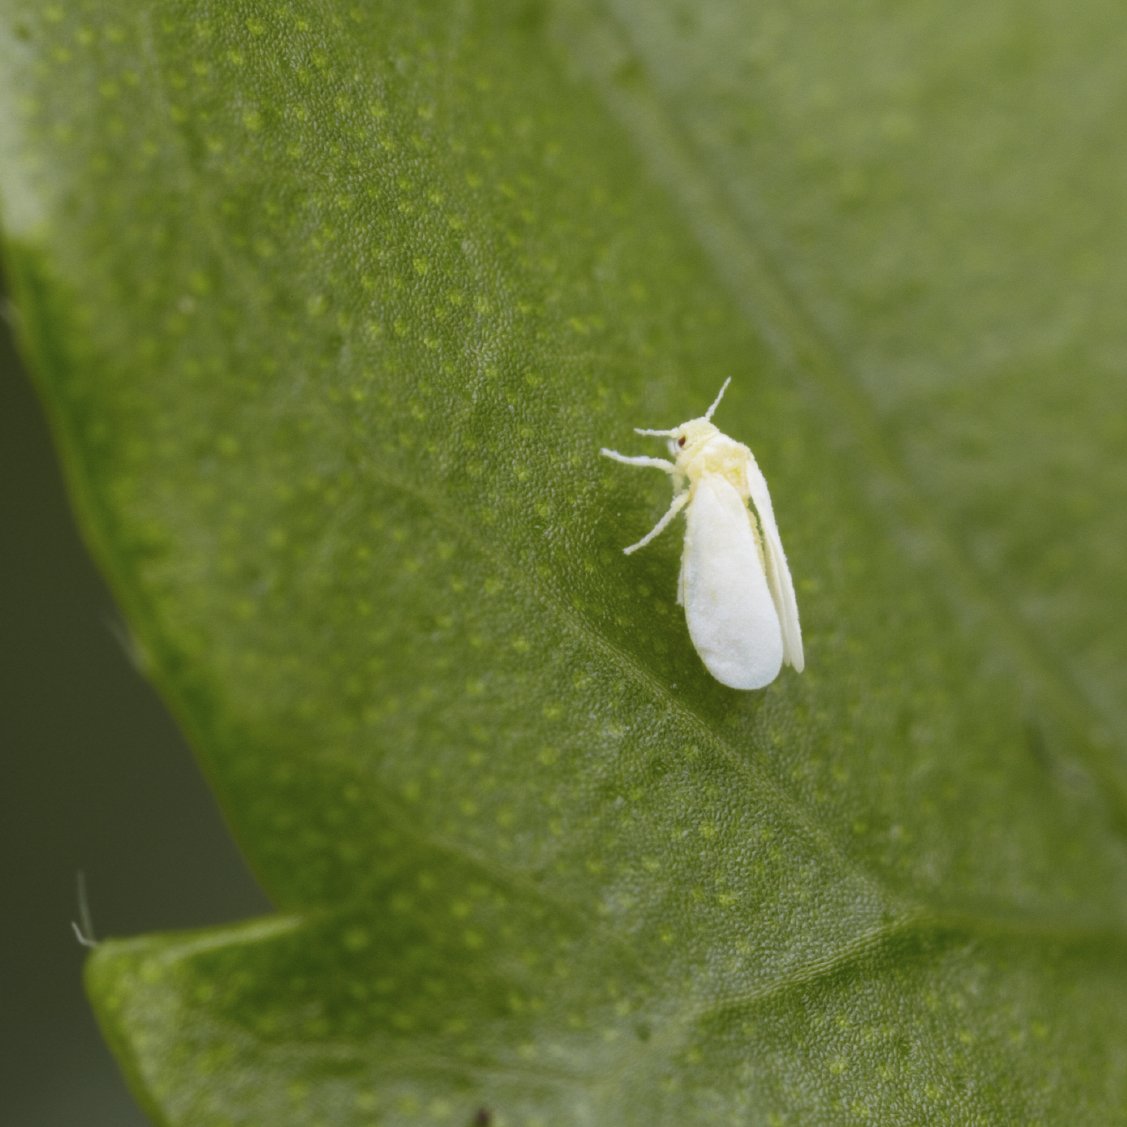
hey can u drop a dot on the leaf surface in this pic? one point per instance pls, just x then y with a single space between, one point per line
333 307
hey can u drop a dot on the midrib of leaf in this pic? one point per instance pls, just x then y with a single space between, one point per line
595 39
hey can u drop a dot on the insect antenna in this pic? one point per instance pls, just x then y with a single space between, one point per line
716 402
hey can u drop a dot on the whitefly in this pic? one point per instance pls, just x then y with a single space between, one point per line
735 584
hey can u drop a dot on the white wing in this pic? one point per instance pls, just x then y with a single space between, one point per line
778 573
729 607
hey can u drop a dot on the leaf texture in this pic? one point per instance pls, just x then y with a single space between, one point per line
333 306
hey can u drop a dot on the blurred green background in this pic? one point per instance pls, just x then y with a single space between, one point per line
100 781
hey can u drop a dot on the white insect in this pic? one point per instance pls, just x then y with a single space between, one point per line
735 585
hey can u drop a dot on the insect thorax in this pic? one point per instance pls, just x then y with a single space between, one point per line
716 454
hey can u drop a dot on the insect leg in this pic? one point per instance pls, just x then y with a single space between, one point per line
639 460
679 502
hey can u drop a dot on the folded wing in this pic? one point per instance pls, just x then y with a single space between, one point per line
729 605
778 573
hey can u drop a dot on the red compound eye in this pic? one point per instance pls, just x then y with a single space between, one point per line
681 441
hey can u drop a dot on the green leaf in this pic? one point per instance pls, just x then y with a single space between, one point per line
333 307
